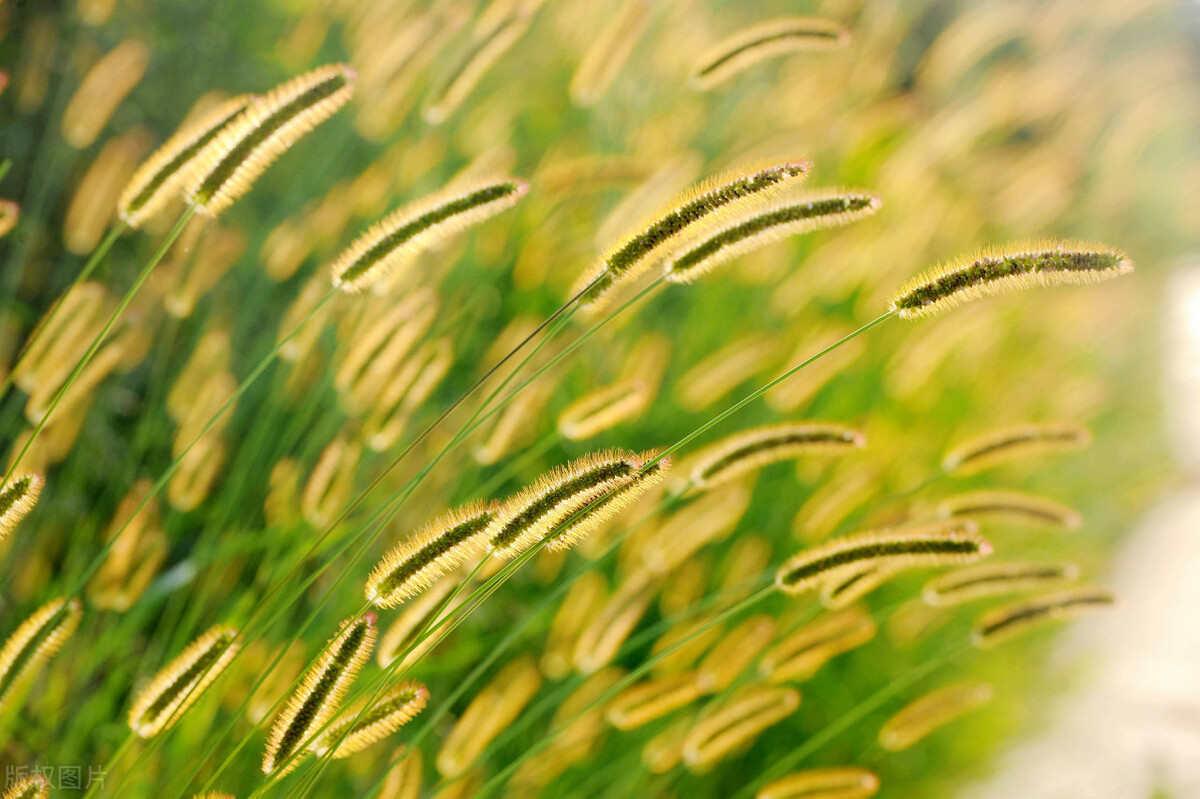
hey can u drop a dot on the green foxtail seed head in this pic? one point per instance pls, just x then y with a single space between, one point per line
17 498
993 579
751 450
319 694
35 787
940 543
1022 441
936 709
571 500
824 209
738 722
430 553
651 700
182 681
419 226
355 730
1005 269
802 653
648 243
839 782
243 149
1011 507
767 40
740 647
34 643
997 626
157 180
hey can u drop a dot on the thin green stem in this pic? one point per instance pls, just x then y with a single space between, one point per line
99 339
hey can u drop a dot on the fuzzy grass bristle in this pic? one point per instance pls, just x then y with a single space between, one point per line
157 181
1011 507
430 553
1001 270
319 694
846 586
751 450
419 226
940 543
994 579
642 248
742 719
228 166
178 685
1021 441
816 211
35 641
998 625
837 782
17 498
36 786
356 730
569 501
766 40
924 716
801 654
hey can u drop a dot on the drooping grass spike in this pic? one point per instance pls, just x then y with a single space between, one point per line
941 543
33 644
158 180
17 498
936 709
1021 441
824 209
838 782
648 243
997 626
319 694
36 786
428 554
547 509
1005 269
357 730
993 579
751 450
419 226
742 719
228 166
766 40
178 685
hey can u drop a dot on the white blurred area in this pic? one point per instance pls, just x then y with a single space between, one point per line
1132 730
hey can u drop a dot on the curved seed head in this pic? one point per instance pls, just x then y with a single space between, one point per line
157 180
738 722
931 712
825 209
841 782
356 730
35 787
228 166
430 553
17 498
182 681
1006 269
319 694
767 40
419 226
953 541
751 450
34 643
997 626
1022 441
993 579
644 247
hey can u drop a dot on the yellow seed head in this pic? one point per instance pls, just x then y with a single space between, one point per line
182 681
931 712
